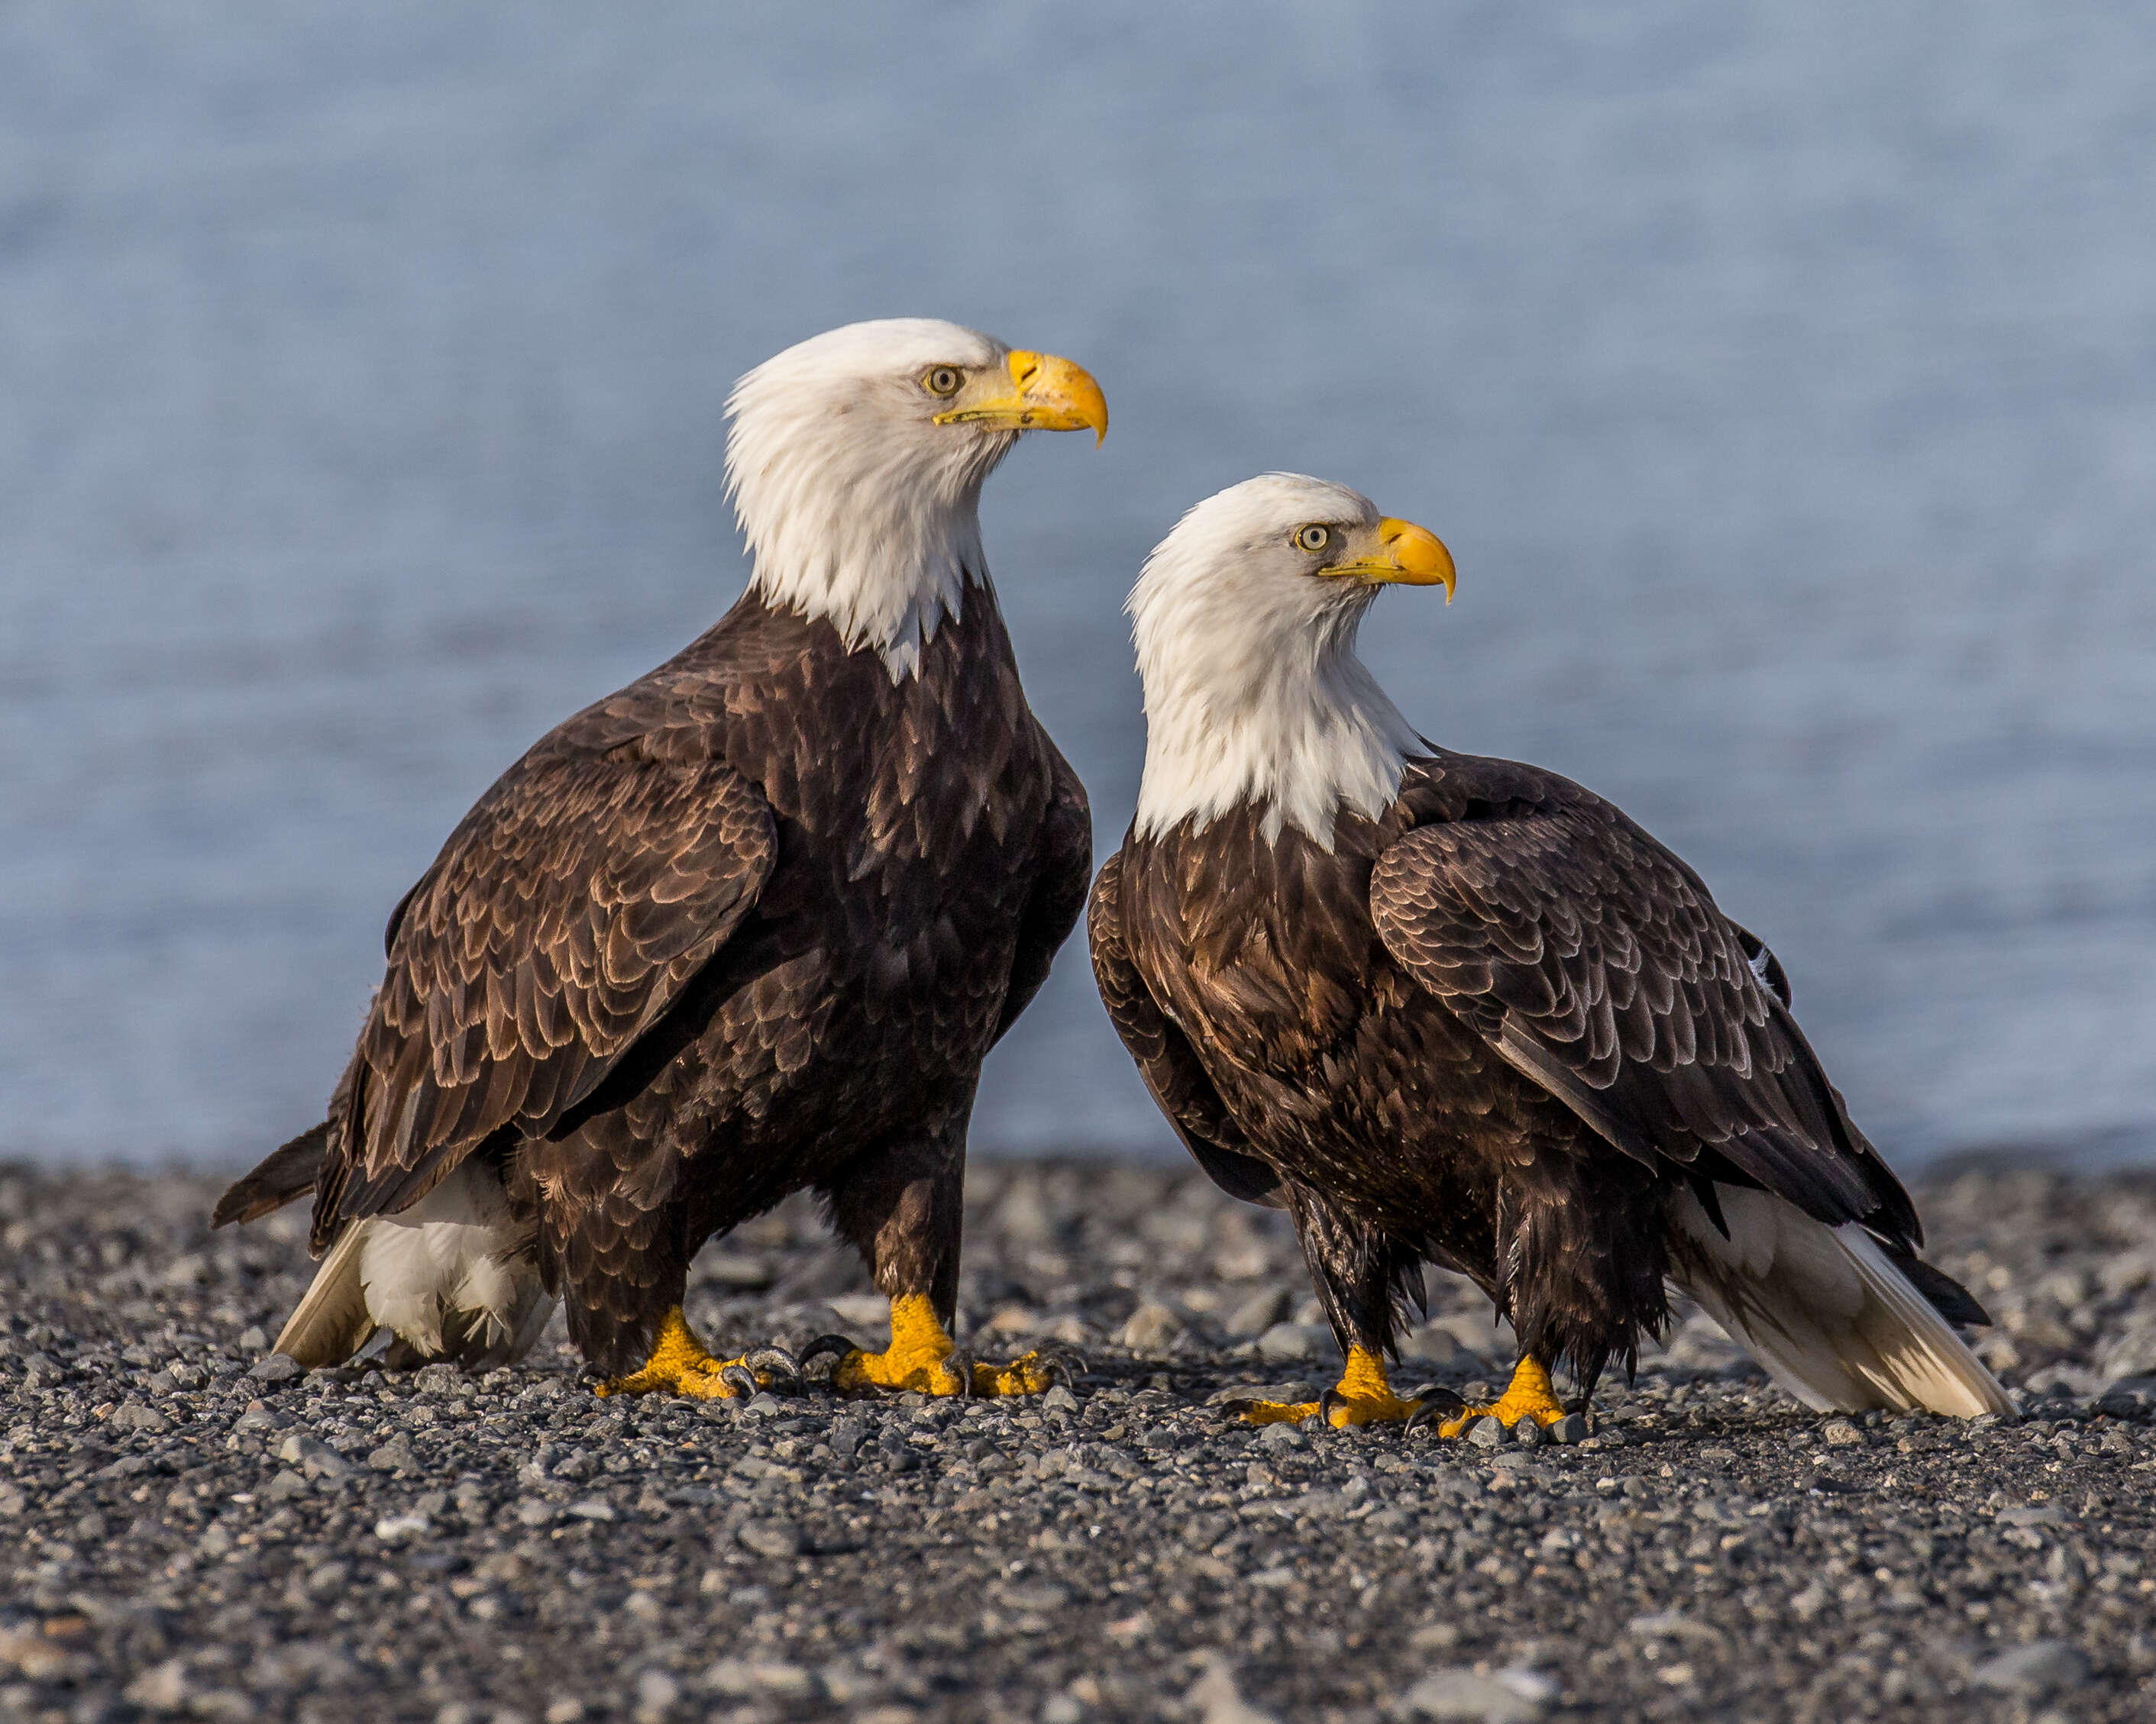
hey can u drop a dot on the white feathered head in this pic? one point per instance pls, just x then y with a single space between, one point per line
1244 619
855 461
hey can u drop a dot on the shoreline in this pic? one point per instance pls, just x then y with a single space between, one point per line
181 1534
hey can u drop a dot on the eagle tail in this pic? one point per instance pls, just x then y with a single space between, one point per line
289 1171
453 1278
1827 1311
331 1323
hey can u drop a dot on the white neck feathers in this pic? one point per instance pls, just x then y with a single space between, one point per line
1237 713
855 509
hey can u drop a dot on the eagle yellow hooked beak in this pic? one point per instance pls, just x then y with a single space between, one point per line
1046 393
1399 553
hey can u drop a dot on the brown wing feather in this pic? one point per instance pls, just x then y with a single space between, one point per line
565 915
1171 1069
1063 868
1597 963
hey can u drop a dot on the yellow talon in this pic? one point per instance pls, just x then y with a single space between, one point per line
678 1363
1363 1396
916 1360
1528 1396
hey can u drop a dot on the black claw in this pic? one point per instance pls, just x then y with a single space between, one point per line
1063 1364
775 1360
1438 1402
836 1346
1436 1397
1236 1409
1326 1401
741 1380
959 1363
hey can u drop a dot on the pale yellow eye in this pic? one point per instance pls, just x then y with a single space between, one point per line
1313 538
941 380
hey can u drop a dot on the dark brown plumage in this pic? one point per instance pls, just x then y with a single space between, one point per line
1427 1044
1457 1010
745 928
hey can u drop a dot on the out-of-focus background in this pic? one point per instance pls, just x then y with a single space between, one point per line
1783 376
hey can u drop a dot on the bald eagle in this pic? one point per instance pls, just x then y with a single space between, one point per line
1452 1010
744 928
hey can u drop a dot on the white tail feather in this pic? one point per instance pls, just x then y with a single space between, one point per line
445 1275
330 1323
1824 1309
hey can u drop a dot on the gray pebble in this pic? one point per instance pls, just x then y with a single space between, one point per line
2040 1669
771 1538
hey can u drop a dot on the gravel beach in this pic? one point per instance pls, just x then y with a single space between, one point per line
185 1532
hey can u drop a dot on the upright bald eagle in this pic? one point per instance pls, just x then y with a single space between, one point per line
1461 1011
746 927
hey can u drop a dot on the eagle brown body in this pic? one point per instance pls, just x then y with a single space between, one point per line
685 958
745 928
1325 1028
1455 1010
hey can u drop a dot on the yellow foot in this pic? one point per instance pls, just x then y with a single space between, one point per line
924 1359
1362 1396
1528 1396
679 1363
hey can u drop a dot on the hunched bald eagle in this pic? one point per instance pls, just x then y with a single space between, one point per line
747 927
1462 1011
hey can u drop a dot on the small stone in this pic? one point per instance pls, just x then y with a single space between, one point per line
845 1436
532 1512
328 1580
657 1695
1283 1435
313 1457
276 1367
763 1405
1293 1341
771 1538
2129 1398
738 1678
284 1487
1572 1427
1840 1434
437 1379
776 1676
592 1509
1528 1433
394 1457
1214 1698
1486 1433
134 1416
390 1528
2039 1668
163 1688
252 1340
1460 1693
1058 1399
567 1710
1152 1328
1258 1313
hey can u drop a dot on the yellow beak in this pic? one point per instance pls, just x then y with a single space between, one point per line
1046 394
1403 555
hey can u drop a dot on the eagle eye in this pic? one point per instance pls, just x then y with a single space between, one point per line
1314 538
941 380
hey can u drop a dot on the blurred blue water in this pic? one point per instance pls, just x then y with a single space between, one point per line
1784 377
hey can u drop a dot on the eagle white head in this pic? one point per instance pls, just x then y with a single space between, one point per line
855 461
1244 618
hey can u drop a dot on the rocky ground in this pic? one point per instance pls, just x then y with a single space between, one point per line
186 1532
